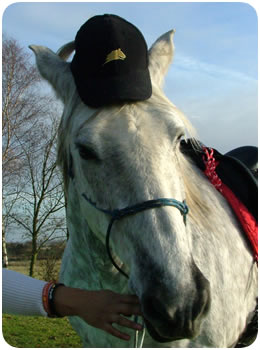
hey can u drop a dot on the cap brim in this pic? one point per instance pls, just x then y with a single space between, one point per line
97 92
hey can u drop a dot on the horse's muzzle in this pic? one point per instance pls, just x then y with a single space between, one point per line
178 315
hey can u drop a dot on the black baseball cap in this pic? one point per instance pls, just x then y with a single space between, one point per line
110 64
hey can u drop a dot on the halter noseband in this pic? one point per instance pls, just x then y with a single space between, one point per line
118 214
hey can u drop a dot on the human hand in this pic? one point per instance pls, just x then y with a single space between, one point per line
101 309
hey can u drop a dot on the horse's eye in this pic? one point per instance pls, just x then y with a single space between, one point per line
180 137
86 152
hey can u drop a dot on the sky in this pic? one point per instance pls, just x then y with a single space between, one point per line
213 77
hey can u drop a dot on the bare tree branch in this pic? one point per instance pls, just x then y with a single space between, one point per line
33 197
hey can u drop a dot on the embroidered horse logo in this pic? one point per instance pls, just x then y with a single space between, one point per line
115 55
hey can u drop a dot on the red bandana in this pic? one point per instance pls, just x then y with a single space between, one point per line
246 219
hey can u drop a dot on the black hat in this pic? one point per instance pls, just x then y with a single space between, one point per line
110 64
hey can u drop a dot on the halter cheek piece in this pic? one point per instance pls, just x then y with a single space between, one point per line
118 214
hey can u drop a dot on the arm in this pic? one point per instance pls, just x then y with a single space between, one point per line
22 295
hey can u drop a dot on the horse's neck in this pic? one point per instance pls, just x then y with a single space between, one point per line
86 263
224 246
219 230
222 254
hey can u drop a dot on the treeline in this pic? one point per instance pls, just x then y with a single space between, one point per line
18 251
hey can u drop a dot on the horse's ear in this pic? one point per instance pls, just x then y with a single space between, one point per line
55 70
160 57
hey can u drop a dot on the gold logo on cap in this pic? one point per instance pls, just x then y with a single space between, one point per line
115 55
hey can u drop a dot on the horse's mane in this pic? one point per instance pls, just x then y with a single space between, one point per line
199 210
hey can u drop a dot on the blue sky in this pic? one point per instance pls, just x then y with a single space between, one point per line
213 78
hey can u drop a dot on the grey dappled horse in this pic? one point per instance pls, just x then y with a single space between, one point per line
195 278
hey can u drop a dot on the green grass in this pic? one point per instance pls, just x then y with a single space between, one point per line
39 332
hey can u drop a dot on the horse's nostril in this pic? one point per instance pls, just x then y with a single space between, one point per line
157 309
177 313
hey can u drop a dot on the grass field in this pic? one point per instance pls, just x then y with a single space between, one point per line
37 332
41 332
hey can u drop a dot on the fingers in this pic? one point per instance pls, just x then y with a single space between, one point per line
129 310
129 305
124 322
116 333
109 308
129 324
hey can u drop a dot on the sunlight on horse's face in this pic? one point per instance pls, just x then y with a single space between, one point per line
120 159
130 155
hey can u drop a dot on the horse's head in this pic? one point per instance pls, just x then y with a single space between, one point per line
119 156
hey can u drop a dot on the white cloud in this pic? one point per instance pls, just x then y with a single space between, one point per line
221 103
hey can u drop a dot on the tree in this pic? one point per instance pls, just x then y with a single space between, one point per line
18 112
41 201
20 105
31 184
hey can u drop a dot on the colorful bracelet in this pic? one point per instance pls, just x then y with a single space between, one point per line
45 297
48 293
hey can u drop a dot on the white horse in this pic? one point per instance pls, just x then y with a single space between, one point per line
196 280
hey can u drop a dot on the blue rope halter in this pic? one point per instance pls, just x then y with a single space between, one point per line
118 214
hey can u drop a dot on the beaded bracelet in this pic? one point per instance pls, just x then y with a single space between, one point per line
48 293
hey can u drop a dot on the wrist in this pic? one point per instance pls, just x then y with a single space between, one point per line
48 295
66 301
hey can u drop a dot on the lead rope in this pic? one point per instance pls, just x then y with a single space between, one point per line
137 335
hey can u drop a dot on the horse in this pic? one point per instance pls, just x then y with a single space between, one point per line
134 199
